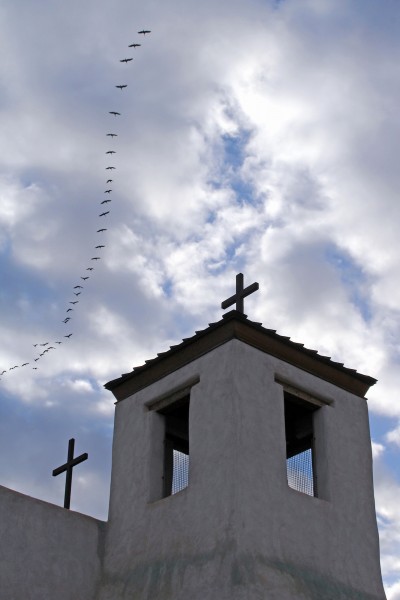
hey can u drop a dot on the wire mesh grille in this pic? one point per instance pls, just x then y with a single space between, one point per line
180 476
300 472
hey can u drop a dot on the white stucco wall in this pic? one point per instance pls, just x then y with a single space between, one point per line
238 531
47 552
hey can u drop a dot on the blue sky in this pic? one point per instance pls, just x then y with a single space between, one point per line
254 136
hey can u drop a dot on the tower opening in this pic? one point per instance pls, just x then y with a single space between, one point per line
176 446
300 453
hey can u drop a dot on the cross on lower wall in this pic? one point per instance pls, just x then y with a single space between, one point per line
68 466
241 293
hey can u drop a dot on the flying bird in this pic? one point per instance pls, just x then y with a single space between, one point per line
109 168
107 191
114 112
126 60
113 134
105 201
68 336
109 181
45 344
99 247
104 213
24 365
121 87
77 293
36 359
35 368
69 309
35 345
77 286
65 321
58 342
95 258
144 31
134 45
98 231
89 269
84 278
74 302
110 152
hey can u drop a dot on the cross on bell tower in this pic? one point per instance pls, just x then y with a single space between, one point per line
241 293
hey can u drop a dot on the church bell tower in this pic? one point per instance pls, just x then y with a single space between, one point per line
242 470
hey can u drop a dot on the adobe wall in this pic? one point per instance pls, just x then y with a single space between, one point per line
238 531
47 552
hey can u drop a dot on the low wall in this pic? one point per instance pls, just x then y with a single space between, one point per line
47 552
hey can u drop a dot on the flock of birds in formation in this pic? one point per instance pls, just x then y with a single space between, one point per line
45 347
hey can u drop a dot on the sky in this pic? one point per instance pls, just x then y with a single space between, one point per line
254 136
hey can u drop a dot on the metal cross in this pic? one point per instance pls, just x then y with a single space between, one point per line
68 466
240 294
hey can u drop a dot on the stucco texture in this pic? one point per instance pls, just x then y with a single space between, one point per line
47 552
238 531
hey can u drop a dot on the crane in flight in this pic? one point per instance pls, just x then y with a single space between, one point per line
104 229
126 60
114 112
112 134
121 87
103 214
144 31
105 201
134 45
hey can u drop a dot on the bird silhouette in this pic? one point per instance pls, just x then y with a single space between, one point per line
90 269
84 278
99 247
104 213
109 181
24 365
77 293
121 87
95 258
68 336
114 112
110 152
113 134
35 368
107 191
66 321
134 45
45 344
58 342
69 309
74 302
109 168
104 229
105 201
126 60
144 31
77 286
